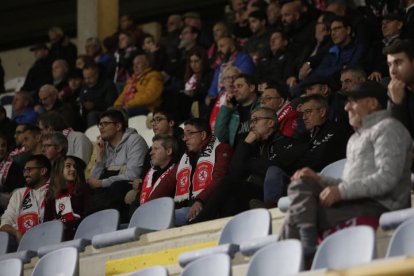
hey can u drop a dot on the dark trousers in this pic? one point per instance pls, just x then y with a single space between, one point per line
111 197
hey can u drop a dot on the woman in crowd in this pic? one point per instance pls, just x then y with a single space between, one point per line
68 194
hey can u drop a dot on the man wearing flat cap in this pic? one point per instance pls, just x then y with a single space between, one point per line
376 177
41 71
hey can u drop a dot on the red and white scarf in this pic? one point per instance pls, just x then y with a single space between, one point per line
63 205
31 214
17 151
147 186
4 169
202 176
131 88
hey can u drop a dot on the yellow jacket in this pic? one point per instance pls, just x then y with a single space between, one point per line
149 87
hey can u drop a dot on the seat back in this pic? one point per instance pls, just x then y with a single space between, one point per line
138 122
11 267
215 264
285 257
345 248
62 262
402 240
46 233
98 223
157 214
245 226
334 169
92 133
151 271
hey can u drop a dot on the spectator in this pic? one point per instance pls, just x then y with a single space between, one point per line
61 47
376 178
295 26
93 49
49 101
259 41
32 140
67 195
157 55
22 108
352 77
274 15
220 30
229 74
229 56
11 175
154 184
142 92
25 209
347 51
126 24
171 41
188 41
193 19
60 71
409 19
41 71
232 123
279 63
120 153
262 147
392 25
97 94
400 57
275 97
54 146
72 92
18 138
199 171
78 144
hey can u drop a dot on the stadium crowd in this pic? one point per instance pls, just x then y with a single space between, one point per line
275 90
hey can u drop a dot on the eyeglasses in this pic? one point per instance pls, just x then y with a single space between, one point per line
256 119
105 124
157 120
190 134
266 99
29 169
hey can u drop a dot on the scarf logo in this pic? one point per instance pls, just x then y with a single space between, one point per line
27 203
61 207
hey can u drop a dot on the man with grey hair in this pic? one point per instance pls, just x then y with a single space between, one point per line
60 71
54 145
376 177
23 112
352 77
93 48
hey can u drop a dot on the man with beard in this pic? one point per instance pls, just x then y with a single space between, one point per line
229 56
120 153
26 206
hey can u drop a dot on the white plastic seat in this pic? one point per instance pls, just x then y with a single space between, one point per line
402 240
249 225
215 264
92 133
151 271
138 122
147 134
62 262
9 110
104 221
14 84
284 257
391 220
334 170
4 243
11 267
250 247
154 215
46 233
346 248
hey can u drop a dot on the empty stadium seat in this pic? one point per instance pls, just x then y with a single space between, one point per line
284 257
391 220
241 228
151 271
4 243
154 215
9 110
97 223
62 262
46 233
147 134
215 264
14 84
250 247
348 247
402 240
92 132
11 267
138 122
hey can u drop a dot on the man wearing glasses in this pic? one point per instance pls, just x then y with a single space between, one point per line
26 206
120 153
200 169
